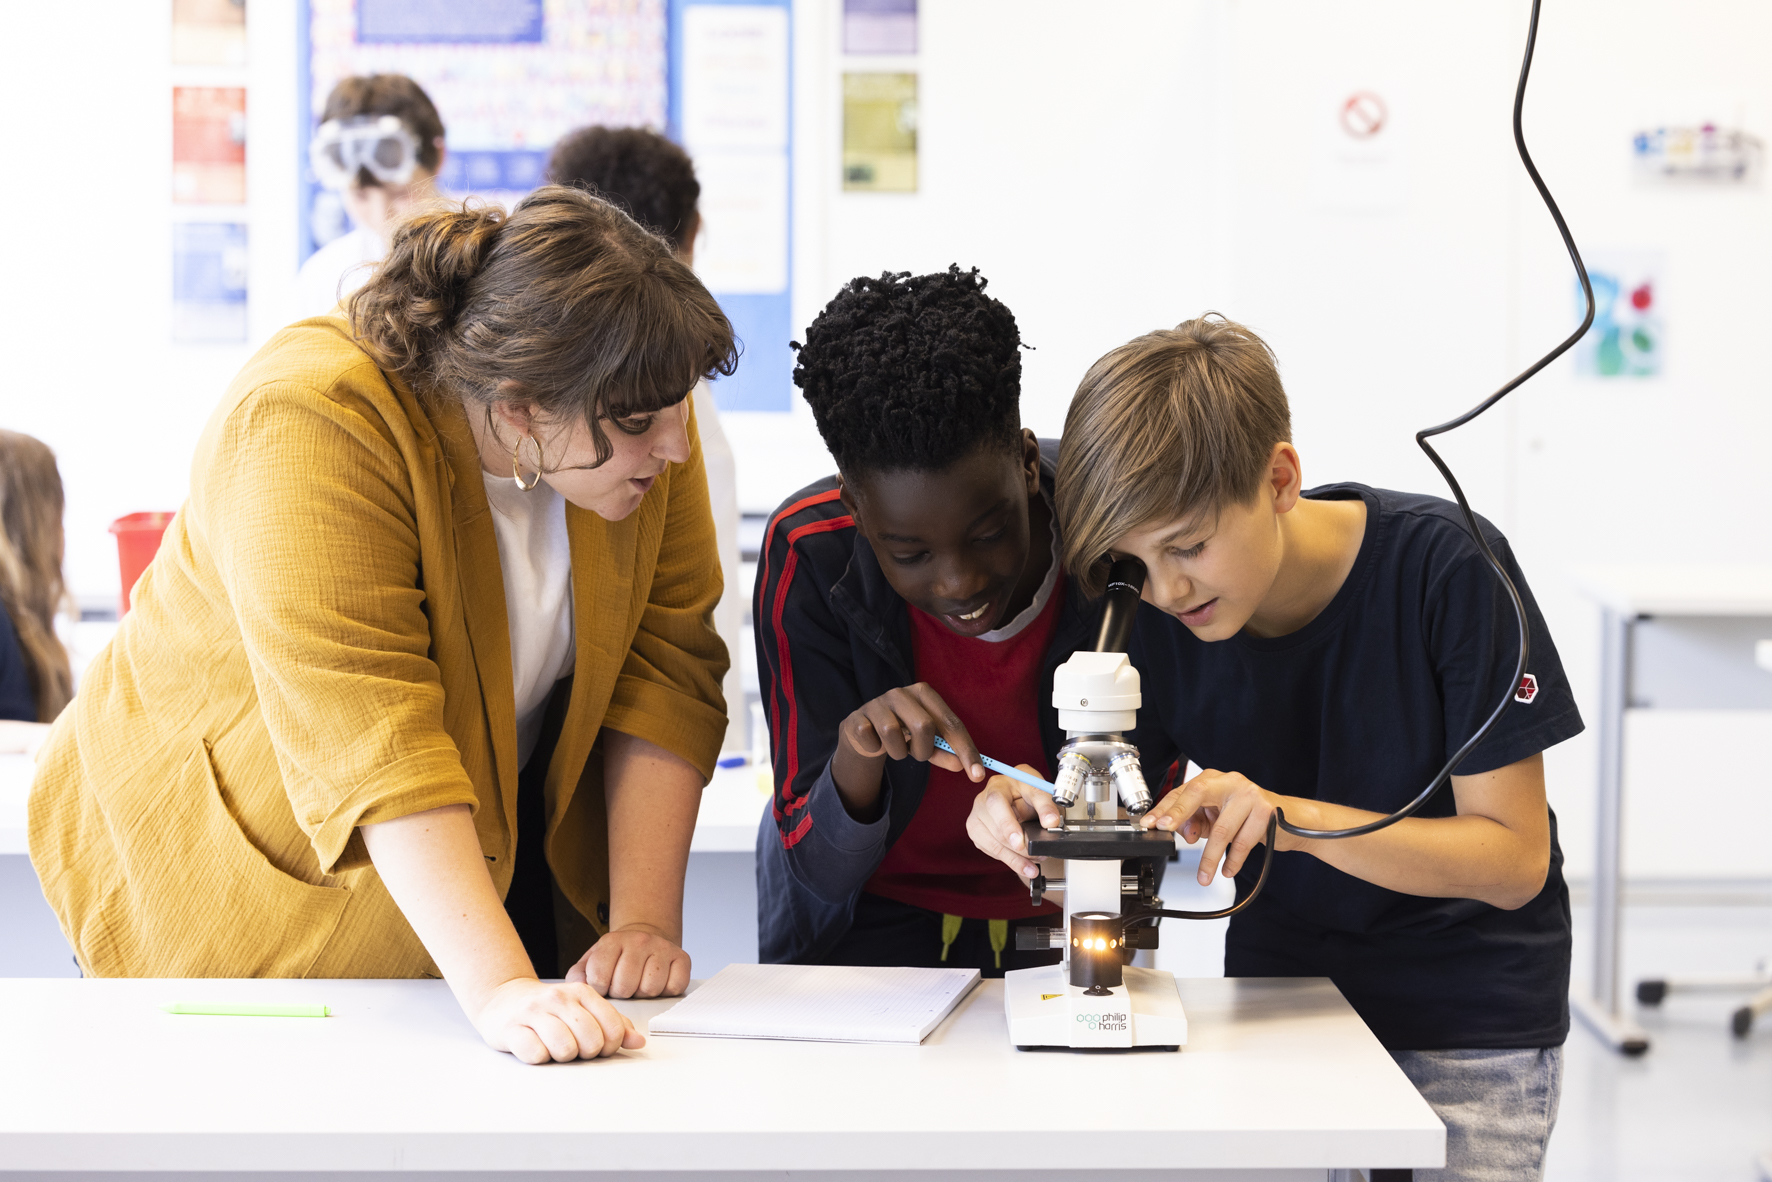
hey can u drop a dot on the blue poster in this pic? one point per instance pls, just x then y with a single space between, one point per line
208 282
499 22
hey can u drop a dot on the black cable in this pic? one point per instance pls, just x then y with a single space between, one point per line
1278 819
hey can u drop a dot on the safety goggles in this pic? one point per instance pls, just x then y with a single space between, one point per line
378 144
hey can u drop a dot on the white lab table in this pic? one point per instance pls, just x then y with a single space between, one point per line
1280 1080
1671 636
731 806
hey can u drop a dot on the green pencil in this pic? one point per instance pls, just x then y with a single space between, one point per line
246 1011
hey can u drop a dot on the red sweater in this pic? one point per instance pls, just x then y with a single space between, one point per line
992 686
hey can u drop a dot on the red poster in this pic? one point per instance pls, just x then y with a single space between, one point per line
209 144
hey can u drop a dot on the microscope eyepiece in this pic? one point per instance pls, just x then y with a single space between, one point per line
1125 583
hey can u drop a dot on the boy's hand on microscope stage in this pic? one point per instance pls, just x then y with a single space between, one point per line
904 723
1227 809
998 812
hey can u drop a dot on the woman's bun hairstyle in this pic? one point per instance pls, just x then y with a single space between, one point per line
565 302
418 289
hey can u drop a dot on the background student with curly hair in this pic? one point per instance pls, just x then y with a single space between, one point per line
35 681
422 680
916 593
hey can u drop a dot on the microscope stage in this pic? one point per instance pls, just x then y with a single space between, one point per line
1098 839
1045 1010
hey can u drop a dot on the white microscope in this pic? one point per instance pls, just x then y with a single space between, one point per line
1094 999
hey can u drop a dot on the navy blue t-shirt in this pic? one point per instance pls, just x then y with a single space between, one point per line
17 703
1362 706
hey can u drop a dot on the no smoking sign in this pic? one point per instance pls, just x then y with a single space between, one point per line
1363 114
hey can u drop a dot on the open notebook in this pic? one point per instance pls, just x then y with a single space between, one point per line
819 1003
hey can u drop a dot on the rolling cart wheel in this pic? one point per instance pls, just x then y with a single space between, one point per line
1650 993
1742 1021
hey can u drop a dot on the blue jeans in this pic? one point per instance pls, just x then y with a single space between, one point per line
1498 1107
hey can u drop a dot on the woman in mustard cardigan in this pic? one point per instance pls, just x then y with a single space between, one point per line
423 679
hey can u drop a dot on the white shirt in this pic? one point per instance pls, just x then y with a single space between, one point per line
722 470
1042 597
535 558
335 271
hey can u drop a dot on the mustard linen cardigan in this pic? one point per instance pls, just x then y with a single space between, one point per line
320 644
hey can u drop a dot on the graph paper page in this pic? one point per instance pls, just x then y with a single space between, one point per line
819 1003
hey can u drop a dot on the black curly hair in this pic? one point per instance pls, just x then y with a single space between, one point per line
639 170
914 373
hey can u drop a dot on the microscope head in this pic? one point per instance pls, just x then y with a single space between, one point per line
1097 695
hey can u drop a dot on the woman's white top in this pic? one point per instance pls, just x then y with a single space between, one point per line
722 470
536 559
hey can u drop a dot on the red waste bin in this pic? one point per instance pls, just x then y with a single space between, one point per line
138 537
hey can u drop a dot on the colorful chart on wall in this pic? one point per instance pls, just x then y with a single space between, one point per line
510 77
1628 339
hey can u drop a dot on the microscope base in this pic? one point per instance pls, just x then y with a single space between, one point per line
1045 1010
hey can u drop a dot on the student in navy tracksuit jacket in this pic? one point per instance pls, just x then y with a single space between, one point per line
916 593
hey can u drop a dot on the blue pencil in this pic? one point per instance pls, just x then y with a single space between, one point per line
997 765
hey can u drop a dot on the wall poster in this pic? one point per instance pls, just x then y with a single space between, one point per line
731 91
209 268
880 132
209 145
1628 337
510 77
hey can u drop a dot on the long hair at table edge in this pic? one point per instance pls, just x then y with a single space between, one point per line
31 586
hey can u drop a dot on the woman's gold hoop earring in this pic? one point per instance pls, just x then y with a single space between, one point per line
517 463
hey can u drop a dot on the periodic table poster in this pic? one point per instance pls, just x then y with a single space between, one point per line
509 77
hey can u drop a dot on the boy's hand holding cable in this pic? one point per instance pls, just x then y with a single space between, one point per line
1229 810
901 723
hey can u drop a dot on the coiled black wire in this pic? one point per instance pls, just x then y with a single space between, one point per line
1278 820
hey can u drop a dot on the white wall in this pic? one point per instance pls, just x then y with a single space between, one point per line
85 315
1111 168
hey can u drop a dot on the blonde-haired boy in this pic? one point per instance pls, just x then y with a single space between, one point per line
1324 652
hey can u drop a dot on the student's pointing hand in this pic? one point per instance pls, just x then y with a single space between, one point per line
903 723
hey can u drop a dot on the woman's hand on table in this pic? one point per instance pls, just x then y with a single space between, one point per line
635 961
542 1021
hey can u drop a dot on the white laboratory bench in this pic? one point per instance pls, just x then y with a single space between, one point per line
1280 1080
731 806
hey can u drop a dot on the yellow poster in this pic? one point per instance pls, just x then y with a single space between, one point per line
880 133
